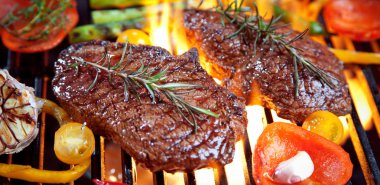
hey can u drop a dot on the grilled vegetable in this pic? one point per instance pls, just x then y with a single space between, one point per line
101 4
356 19
281 141
18 112
356 57
67 138
99 182
27 173
115 15
326 124
134 36
73 143
314 27
102 31
38 26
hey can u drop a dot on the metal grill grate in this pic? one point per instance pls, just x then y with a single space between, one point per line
36 70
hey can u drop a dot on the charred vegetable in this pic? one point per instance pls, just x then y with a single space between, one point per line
280 142
38 25
356 57
116 15
18 114
74 143
102 31
100 4
356 19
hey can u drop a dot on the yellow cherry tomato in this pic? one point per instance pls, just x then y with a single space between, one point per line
134 36
73 143
325 124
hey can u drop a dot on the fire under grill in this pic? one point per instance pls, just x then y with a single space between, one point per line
109 162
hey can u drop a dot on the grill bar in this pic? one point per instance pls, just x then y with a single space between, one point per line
366 147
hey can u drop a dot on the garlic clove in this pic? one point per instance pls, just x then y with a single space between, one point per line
295 169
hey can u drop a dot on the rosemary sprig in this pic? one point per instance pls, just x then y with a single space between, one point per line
40 12
265 32
144 78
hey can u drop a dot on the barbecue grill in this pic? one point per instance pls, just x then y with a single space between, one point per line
111 163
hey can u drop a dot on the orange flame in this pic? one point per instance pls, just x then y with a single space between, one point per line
158 26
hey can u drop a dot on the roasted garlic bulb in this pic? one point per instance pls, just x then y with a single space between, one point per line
18 114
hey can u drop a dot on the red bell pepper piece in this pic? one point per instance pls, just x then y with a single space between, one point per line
281 141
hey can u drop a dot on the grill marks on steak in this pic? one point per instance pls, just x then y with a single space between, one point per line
267 77
153 134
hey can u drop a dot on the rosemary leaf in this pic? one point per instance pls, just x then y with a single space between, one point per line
158 76
296 78
126 91
171 86
205 111
298 37
94 81
151 92
122 56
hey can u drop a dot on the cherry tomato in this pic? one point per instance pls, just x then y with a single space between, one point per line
325 124
357 19
134 36
72 144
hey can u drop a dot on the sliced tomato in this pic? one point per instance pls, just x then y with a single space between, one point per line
281 141
21 45
356 19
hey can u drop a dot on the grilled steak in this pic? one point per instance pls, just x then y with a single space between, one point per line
154 134
267 77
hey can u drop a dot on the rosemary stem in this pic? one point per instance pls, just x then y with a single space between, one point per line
151 86
266 31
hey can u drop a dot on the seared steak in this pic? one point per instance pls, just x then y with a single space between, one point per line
267 77
154 134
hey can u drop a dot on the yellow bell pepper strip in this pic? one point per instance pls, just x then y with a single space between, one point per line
54 110
27 173
355 57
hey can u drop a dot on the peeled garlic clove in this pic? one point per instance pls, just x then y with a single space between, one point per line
295 169
18 114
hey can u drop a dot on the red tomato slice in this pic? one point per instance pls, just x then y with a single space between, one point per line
281 141
356 19
21 45
99 182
